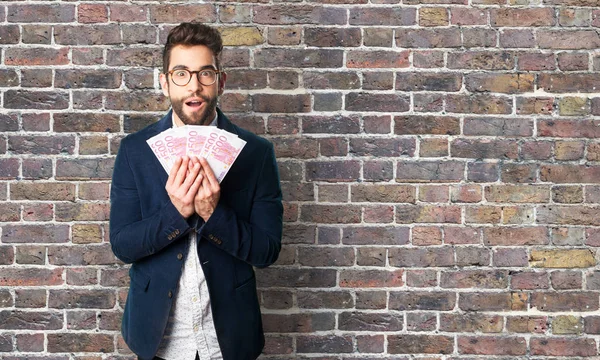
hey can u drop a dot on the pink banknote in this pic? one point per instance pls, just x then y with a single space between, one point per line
219 147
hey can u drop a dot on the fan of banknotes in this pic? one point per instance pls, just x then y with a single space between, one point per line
219 147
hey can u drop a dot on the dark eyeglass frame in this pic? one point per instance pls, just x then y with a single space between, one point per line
197 72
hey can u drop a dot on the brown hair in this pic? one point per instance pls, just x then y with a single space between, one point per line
189 34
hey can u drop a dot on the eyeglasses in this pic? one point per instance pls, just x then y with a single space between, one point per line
182 77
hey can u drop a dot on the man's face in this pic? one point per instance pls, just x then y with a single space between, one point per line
194 103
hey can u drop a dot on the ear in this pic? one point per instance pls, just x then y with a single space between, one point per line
164 84
222 79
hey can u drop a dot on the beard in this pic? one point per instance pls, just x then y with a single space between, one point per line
204 117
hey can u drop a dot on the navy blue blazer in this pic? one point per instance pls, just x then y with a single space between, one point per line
147 231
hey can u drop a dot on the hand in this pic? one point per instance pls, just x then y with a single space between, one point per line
183 184
209 192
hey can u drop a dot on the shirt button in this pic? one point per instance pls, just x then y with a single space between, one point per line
179 256
170 294
195 329
194 299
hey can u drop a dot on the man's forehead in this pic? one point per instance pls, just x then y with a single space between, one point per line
197 56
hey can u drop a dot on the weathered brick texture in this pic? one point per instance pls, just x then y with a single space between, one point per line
438 158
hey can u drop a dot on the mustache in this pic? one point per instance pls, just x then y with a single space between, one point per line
197 95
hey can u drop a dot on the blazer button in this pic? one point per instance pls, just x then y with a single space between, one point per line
177 232
219 242
170 237
179 256
170 294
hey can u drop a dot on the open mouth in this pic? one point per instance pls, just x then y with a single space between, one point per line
194 104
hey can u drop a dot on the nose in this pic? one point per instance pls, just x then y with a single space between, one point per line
194 84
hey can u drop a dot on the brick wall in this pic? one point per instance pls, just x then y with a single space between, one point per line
439 162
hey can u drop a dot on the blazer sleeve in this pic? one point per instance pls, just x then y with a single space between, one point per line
132 236
257 240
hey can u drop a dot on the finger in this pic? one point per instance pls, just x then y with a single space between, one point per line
173 172
181 171
189 180
213 182
194 188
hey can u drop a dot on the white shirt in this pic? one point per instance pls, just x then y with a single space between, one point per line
190 328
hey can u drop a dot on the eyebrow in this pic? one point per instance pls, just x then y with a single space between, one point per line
183 67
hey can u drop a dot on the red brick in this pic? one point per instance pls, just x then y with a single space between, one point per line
332 37
573 61
568 40
32 13
370 278
524 38
517 193
377 102
326 256
331 214
563 347
426 235
481 60
536 62
485 148
427 214
478 104
569 301
30 320
9 34
333 171
527 324
394 16
324 344
509 236
471 322
377 59
302 323
428 171
299 14
290 277
466 193
331 80
529 280
31 277
493 301
366 235
423 81
461 235
421 257
143 56
182 13
42 191
271 103
92 13
486 279
510 257
80 342
127 13
492 345
40 100
87 35
428 38
84 169
46 233
420 344
468 16
568 128
298 58
30 342
378 147
515 17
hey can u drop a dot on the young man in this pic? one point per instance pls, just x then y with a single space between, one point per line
192 242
